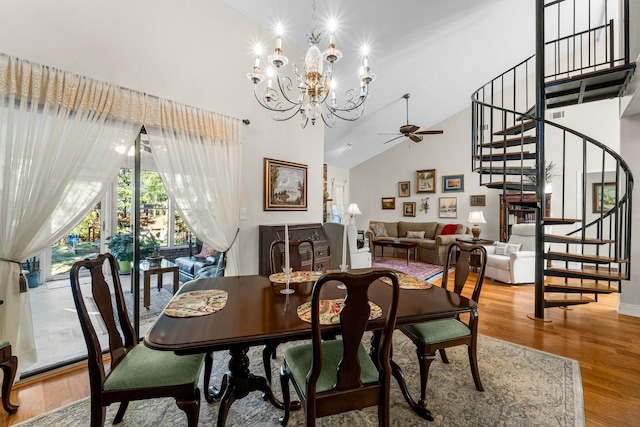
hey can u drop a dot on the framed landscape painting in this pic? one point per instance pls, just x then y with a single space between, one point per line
448 207
452 183
604 198
285 186
426 181
404 189
388 203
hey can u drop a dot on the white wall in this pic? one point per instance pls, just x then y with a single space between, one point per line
630 149
448 154
196 52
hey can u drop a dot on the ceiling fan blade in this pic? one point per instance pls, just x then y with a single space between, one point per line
409 128
395 133
415 138
429 132
393 139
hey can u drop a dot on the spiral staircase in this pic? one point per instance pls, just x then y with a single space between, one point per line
583 247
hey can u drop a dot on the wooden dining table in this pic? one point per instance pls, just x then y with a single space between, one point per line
256 313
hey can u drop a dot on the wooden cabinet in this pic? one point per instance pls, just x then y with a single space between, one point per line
315 232
519 209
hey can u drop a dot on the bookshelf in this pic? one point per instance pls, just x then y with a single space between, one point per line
519 209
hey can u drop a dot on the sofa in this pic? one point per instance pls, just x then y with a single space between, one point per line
513 262
433 238
206 263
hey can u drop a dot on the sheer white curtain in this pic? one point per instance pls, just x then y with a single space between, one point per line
337 191
199 156
62 139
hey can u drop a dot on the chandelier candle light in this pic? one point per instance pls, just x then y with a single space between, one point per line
475 218
313 94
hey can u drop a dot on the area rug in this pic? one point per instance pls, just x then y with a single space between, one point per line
523 387
421 270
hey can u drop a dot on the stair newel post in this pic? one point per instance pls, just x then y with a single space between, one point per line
540 175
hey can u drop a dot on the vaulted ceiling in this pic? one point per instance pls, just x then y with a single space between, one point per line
439 51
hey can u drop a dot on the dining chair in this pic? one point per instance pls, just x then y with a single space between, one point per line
136 371
9 366
296 251
336 376
443 333
296 262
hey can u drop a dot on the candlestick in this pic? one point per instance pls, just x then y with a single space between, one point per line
343 266
286 247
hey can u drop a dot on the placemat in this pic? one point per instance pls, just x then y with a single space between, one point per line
408 282
330 311
296 277
197 303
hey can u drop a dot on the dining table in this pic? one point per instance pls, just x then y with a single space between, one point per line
256 314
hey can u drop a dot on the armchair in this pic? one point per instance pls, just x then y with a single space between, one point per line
513 262
356 258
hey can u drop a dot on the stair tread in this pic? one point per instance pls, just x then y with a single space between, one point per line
510 170
550 220
586 257
510 185
588 273
571 239
517 129
561 300
587 287
511 142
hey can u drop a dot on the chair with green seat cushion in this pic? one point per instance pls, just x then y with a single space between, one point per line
337 376
137 372
440 334
9 366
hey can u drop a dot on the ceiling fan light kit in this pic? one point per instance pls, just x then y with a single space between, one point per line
410 131
312 93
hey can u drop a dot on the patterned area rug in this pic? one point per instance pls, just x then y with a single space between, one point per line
421 270
523 387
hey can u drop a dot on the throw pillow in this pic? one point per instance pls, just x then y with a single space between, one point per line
500 248
449 229
206 252
415 234
511 248
379 230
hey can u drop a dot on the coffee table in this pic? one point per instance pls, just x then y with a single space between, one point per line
402 244
148 269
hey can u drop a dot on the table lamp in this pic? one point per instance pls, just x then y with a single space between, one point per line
353 210
475 218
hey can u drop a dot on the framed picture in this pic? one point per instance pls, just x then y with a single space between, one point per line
409 209
478 200
404 189
285 186
452 183
448 207
388 203
426 181
604 198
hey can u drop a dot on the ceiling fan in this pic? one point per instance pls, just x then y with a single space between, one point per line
408 130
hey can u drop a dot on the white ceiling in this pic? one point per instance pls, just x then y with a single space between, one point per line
438 50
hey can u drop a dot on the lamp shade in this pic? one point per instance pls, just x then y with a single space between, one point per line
353 209
476 217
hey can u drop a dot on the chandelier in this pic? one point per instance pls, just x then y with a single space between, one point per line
312 93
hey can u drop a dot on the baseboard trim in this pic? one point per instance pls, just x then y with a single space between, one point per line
629 309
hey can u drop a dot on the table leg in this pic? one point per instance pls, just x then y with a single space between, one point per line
408 252
176 281
397 373
160 280
147 289
240 381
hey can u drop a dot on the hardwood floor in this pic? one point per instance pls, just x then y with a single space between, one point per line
606 344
